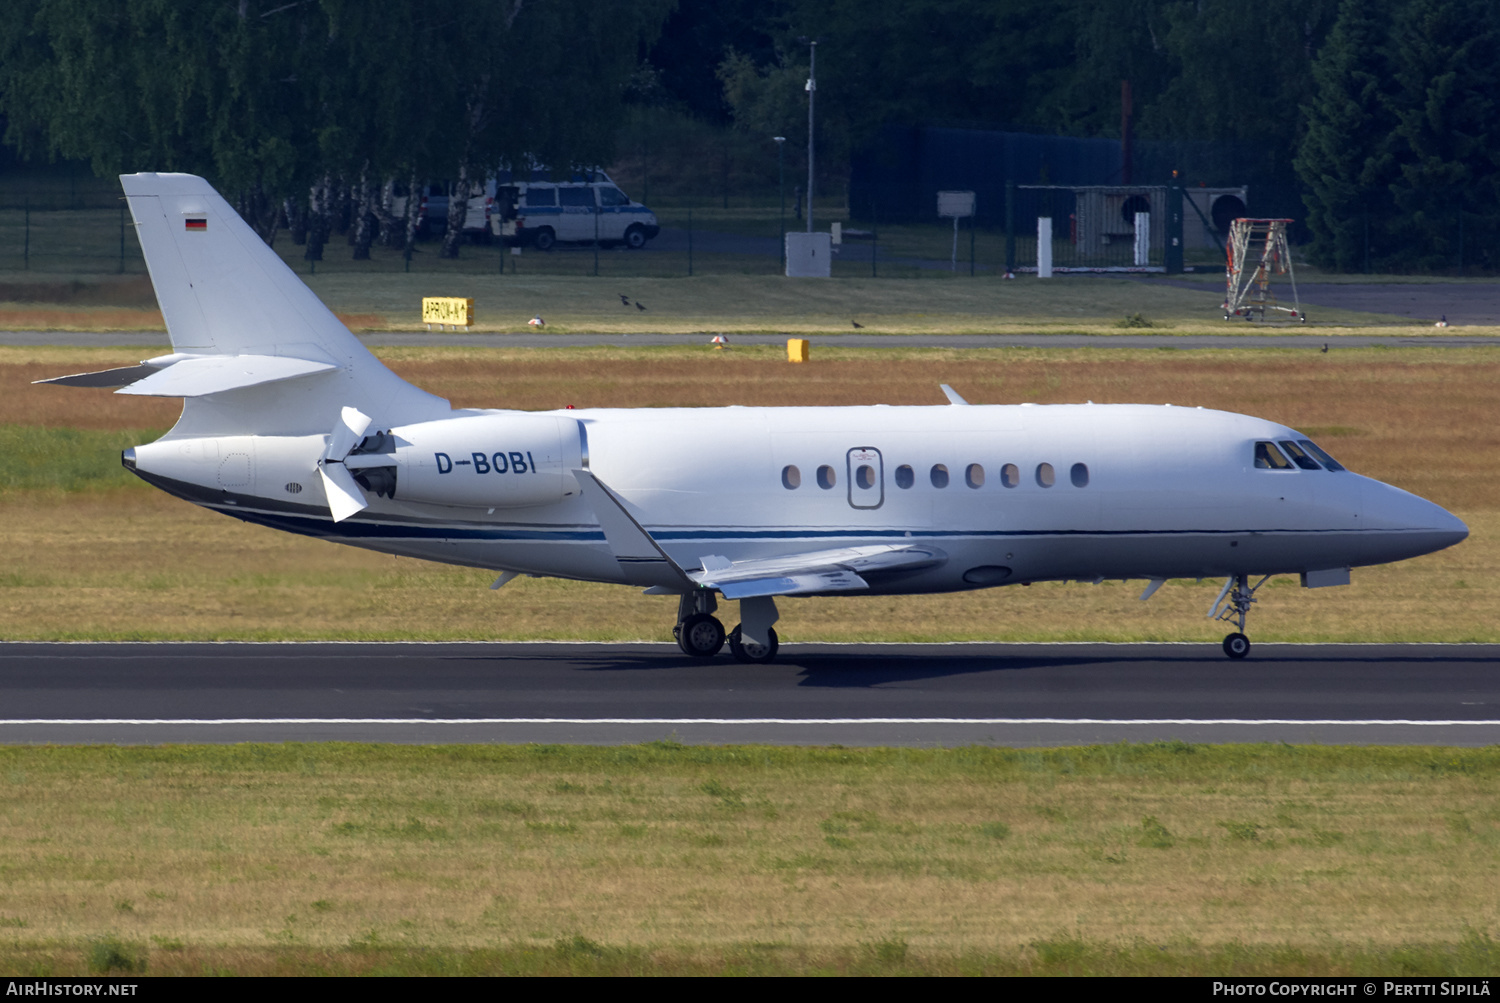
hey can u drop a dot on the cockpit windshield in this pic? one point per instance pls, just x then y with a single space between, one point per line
1329 463
1268 457
1298 456
1289 454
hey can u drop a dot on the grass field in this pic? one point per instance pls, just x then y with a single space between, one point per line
87 551
935 304
1156 859
1166 859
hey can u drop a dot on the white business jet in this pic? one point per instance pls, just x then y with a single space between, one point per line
290 422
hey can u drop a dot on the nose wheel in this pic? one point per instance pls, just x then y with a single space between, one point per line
1233 606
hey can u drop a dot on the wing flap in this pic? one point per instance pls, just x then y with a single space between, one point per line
839 570
791 585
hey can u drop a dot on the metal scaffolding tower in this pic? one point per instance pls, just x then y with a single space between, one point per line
1248 293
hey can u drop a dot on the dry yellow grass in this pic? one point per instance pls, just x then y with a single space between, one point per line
969 850
1427 420
141 565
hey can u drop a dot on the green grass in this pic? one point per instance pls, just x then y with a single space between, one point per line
671 859
69 460
937 304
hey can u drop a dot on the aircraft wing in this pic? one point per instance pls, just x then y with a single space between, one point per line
840 570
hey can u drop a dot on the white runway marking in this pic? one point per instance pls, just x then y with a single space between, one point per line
735 720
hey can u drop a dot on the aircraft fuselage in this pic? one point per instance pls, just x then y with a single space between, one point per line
1005 494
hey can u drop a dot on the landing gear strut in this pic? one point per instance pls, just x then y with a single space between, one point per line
1232 606
699 633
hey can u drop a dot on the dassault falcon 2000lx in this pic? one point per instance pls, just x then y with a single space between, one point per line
290 422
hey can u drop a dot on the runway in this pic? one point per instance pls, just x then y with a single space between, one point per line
817 694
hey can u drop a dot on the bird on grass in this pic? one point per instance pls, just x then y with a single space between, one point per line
1325 348
639 305
624 300
1443 322
537 321
857 324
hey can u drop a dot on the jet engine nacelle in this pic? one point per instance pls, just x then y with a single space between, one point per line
489 461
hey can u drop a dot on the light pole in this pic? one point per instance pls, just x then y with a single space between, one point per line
781 186
812 91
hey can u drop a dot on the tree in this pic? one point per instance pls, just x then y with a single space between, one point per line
271 98
1345 158
1444 141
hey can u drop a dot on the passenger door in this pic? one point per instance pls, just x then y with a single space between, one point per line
866 477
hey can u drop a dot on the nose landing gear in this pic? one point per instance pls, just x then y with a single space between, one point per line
1232 606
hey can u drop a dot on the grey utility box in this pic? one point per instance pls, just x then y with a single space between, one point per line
809 255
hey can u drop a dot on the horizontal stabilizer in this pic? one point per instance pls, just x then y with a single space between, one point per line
201 376
840 570
122 377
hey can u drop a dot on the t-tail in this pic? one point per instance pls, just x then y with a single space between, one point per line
254 351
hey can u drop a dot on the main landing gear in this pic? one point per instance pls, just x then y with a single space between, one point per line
700 634
745 650
1232 606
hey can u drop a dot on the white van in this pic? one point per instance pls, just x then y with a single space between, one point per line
586 208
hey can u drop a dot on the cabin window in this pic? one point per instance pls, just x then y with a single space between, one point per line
791 477
974 476
1045 475
1329 463
539 197
1268 457
826 477
1010 475
864 476
1080 475
939 475
904 476
1298 456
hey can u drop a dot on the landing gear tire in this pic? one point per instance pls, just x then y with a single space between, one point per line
1236 645
700 635
745 650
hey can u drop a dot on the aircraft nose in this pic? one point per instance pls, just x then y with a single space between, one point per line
1412 524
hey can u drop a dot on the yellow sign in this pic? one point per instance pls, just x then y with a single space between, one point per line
796 350
453 310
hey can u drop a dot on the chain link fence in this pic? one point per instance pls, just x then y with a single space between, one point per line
74 226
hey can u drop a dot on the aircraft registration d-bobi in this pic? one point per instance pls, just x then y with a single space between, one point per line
288 421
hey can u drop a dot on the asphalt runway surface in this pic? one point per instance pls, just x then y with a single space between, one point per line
815 694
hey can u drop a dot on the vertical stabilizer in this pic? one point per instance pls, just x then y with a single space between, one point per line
224 292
